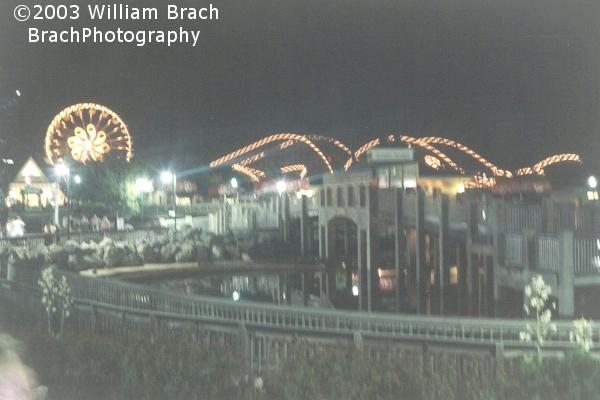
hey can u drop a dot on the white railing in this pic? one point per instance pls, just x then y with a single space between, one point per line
587 256
548 253
514 249
522 217
135 298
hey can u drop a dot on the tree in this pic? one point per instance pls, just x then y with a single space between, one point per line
107 187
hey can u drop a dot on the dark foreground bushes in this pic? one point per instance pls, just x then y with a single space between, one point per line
81 366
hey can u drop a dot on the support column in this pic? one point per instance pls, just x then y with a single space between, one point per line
471 232
443 249
370 242
397 244
360 237
420 248
498 233
285 216
303 226
566 275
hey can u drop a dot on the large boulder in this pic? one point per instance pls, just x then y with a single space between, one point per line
202 254
217 252
131 259
75 262
113 256
167 253
72 247
147 253
233 251
186 253
56 254
92 261
89 248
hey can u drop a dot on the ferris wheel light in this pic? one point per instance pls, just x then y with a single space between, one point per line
87 132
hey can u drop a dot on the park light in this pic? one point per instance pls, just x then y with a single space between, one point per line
61 170
354 290
281 186
592 182
166 177
234 183
235 295
143 185
77 179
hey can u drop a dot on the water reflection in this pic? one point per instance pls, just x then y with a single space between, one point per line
264 287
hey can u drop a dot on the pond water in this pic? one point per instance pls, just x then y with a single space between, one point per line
269 287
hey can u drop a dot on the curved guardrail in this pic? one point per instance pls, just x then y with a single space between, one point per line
138 299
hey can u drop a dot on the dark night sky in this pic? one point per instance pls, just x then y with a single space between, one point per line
515 79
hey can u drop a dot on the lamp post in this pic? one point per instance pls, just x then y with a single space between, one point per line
62 171
143 186
167 177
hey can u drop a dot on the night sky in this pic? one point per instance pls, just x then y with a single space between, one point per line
517 80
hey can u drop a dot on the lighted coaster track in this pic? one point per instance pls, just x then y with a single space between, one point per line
434 157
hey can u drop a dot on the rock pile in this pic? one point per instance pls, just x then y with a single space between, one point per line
187 245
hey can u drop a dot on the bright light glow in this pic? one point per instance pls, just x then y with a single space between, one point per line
592 195
483 214
87 132
166 176
234 183
143 185
592 182
8 161
354 290
460 188
281 186
61 170
235 295
18 92
77 179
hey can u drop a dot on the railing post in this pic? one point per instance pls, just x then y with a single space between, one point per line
499 360
566 280
242 346
93 318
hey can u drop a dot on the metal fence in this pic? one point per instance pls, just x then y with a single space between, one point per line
264 332
515 246
587 255
548 254
39 240
523 217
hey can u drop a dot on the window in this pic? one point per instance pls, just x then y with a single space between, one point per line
351 201
340 196
362 194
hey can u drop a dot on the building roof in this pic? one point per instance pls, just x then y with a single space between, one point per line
31 173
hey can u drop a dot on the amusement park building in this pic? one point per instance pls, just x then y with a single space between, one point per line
426 245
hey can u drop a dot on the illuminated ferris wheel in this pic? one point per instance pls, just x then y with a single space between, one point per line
87 132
